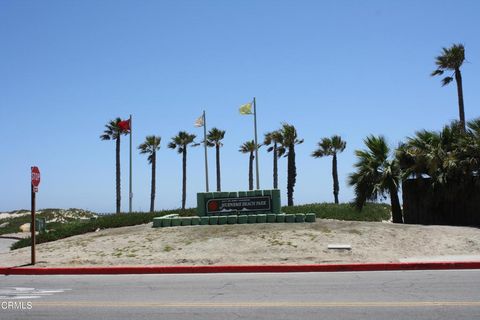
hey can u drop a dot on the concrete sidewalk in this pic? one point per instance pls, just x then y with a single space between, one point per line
449 258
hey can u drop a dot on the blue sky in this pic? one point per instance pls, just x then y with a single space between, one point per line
329 67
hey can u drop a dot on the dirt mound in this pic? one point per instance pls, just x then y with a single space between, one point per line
254 244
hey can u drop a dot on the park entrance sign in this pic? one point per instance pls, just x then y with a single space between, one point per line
216 208
242 202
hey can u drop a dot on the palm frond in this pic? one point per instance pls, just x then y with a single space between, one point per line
338 144
437 72
451 59
446 81
214 137
181 141
150 146
112 130
106 137
474 127
329 146
375 172
248 147
289 136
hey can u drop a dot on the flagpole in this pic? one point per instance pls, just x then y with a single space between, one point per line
205 146
256 142
130 196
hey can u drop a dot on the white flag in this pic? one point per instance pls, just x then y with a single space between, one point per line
199 122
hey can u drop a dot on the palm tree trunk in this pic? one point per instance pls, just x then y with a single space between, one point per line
117 172
336 188
219 188
152 193
292 174
275 166
461 110
250 172
184 181
395 203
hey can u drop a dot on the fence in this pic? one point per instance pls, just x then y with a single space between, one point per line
452 204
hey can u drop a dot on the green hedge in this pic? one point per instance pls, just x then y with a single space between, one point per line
345 211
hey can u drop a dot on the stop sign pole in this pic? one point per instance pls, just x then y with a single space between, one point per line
34 188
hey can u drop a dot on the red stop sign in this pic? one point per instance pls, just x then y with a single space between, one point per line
35 176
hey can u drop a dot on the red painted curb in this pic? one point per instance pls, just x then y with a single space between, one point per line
242 268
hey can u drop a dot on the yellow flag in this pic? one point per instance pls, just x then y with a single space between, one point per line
246 108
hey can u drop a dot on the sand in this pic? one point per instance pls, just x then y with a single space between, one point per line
254 244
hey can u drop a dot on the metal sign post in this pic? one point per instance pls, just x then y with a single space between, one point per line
35 181
32 226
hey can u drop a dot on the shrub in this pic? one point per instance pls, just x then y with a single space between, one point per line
344 211
102 222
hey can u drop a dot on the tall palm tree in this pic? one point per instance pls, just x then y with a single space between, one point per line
452 59
113 132
376 176
214 138
249 147
275 139
330 147
290 139
181 142
150 146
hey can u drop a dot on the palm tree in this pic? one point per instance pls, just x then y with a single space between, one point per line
249 147
113 132
452 59
214 138
443 156
473 145
290 139
150 146
275 138
376 176
181 142
330 147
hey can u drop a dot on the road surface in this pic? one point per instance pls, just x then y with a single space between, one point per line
350 295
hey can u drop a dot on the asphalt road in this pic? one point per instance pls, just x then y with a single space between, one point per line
349 295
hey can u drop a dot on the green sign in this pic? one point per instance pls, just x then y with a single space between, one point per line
241 202
220 206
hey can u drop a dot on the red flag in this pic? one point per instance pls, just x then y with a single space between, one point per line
124 125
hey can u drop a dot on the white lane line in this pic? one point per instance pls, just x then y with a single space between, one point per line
15 293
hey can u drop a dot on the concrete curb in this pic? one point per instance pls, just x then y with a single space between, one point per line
241 268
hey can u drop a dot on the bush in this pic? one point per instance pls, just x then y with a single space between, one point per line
344 211
102 222
59 216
